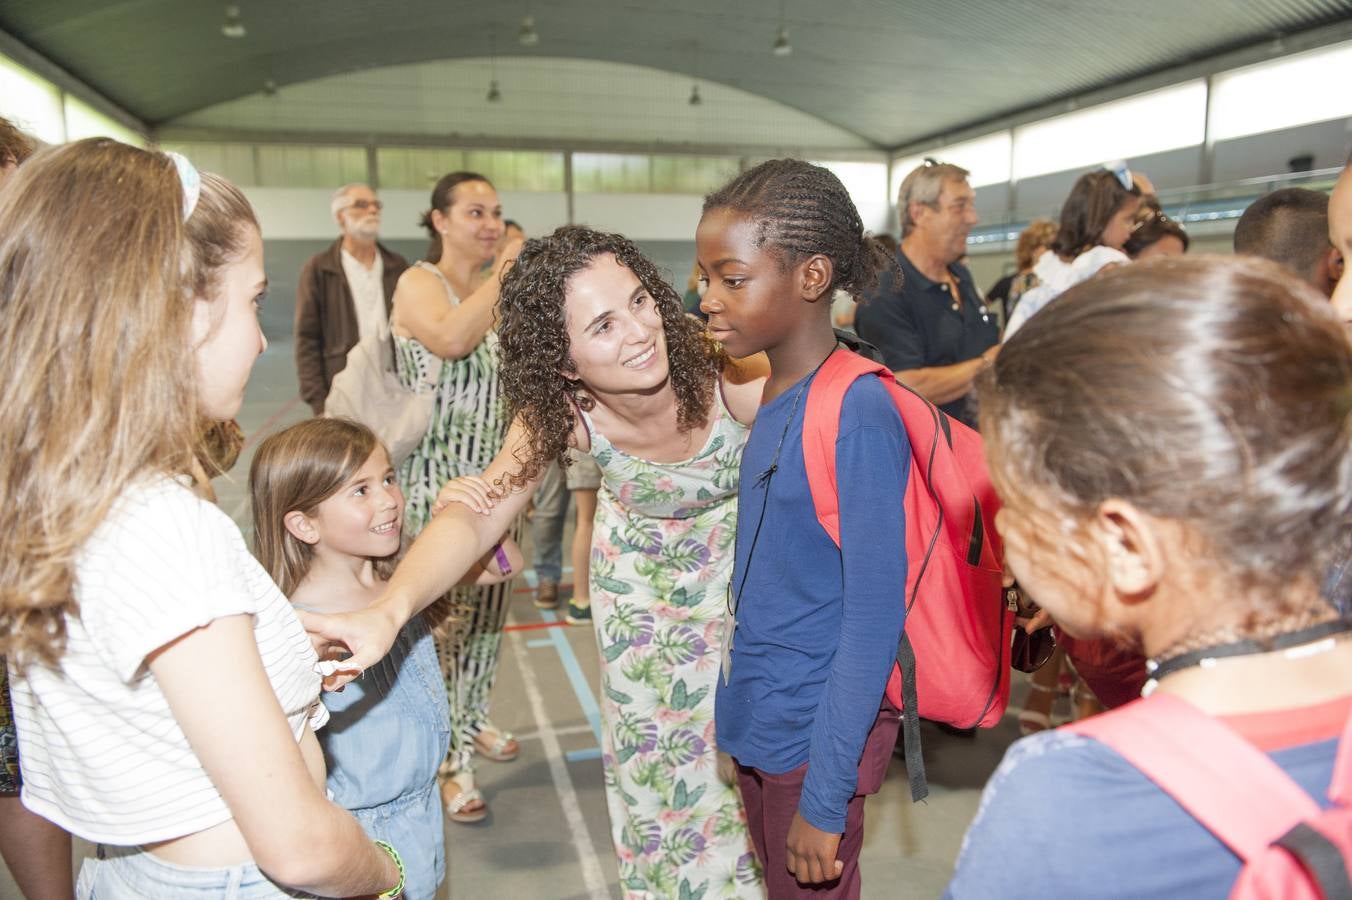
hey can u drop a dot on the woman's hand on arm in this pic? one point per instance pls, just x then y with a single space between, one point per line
448 548
215 684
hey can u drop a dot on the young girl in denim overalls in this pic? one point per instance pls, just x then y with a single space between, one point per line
328 515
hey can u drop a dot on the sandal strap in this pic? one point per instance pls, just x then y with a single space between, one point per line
458 803
464 779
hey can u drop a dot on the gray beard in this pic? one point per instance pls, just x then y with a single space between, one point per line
364 233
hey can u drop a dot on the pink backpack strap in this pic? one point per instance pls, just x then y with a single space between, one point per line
1340 788
1202 763
821 427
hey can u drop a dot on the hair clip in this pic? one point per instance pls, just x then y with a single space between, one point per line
191 180
1119 168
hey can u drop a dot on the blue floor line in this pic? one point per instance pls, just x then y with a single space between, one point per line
585 698
537 643
533 581
583 755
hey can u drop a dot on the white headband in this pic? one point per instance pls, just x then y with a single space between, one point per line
191 181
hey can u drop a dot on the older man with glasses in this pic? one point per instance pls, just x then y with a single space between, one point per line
344 293
926 316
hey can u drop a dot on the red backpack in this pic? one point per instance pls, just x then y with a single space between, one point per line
1291 849
954 605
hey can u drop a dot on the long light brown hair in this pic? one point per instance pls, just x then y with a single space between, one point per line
296 470
98 275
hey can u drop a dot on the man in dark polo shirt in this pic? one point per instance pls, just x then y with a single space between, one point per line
926 317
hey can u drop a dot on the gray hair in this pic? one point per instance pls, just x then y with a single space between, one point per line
338 202
923 185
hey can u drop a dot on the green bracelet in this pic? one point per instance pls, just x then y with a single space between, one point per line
399 864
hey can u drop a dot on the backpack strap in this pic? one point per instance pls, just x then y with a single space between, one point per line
1340 788
821 427
1198 760
1322 859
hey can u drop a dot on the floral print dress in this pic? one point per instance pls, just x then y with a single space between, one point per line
660 562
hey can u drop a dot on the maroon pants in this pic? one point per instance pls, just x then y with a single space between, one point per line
772 800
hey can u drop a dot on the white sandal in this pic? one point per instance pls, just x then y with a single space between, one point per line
1030 720
491 743
466 795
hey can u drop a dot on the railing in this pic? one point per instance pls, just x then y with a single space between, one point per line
1196 207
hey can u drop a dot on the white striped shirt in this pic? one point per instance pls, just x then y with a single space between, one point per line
102 754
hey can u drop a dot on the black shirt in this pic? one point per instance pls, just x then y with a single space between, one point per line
916 327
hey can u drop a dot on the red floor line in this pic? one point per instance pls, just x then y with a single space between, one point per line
530 590
536 626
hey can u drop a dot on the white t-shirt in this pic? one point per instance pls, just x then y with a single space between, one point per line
368 293
103 755
1055 277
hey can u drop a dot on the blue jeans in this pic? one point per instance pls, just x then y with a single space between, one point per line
546 526
129 873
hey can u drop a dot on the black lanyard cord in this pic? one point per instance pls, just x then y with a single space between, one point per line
734 600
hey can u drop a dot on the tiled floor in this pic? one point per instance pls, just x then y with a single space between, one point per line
547 834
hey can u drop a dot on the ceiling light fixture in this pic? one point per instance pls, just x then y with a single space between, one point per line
494 95
694 95
270 88
232 27
527 35
782 46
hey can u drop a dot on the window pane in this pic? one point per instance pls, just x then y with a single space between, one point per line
290 165
84 121
1147 123
611 173
509 170
30 102
1282 94
234 162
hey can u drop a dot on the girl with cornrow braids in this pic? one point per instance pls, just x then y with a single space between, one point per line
800 706
598 354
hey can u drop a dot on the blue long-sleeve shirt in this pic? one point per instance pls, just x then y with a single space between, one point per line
817 627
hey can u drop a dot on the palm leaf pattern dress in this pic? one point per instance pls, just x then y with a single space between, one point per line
466 431
660 562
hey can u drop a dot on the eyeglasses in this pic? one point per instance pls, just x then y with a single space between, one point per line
1123 174
366 204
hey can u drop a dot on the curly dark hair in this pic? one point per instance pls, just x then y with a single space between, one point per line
15 146
535 349
803 210
1151 227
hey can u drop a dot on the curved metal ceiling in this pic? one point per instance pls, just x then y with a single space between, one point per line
889 72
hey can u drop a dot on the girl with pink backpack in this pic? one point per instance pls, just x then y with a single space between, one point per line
1174 454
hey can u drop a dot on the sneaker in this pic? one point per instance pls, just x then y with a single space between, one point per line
547 595
578 615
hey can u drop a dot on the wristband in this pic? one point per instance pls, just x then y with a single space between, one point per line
500 555
398 864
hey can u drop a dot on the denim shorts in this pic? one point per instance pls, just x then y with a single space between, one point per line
130 873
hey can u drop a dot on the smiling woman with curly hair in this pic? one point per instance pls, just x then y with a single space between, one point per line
598 355
539 377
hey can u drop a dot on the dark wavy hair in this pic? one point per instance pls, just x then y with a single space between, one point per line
1153 226
535 349
1093 201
